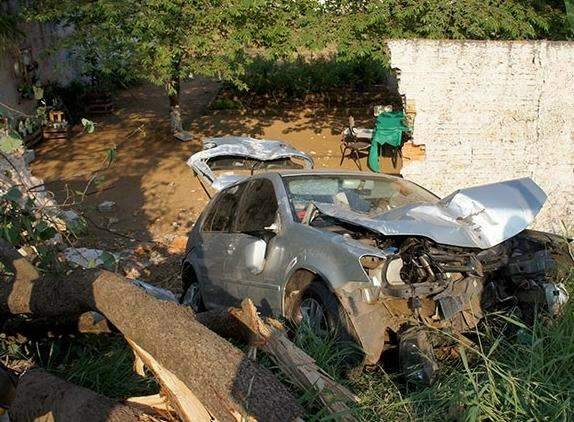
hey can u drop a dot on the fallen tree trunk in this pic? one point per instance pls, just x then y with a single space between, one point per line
45 397
223 379
299 367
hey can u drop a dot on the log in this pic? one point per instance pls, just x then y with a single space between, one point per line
300 368
41 396
219 374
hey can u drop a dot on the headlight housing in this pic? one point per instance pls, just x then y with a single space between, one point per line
373 267
383 271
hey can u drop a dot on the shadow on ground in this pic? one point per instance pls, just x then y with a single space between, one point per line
157 196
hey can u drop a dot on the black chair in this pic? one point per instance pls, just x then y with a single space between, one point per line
351 147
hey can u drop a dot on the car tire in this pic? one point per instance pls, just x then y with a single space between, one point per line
191 292
335 322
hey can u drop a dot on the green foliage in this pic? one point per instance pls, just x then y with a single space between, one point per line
111 155
21 224
165 40
103 364
570 13
9 31
299 76
515 373
363 25
225 104
10 141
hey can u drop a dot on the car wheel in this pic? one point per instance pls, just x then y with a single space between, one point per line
318 307
192 294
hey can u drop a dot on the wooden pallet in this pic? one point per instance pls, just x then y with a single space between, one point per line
56 133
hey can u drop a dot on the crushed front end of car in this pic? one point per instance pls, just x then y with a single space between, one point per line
445 265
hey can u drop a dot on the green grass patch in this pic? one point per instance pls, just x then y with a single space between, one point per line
102 363
514 372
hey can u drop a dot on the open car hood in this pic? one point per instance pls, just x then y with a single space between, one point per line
477 217
235 146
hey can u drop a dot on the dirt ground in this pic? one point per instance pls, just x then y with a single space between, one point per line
156 194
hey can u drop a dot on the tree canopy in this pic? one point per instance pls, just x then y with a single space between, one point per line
164 41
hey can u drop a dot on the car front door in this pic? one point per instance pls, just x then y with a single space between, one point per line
257 220
212 251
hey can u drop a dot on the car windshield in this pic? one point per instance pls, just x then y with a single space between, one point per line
366 195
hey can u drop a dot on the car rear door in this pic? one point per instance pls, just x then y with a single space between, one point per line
212 251
257 213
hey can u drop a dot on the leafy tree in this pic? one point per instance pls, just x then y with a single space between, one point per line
363 25
9 31
165 41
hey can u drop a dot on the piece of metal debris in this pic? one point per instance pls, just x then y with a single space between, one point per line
91 258
106 206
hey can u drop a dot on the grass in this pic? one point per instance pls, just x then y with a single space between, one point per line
514 373
103 364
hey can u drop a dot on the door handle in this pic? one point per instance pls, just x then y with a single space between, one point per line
230 249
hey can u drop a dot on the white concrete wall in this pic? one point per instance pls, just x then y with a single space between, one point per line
489 111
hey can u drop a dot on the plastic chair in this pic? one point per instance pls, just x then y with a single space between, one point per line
351 147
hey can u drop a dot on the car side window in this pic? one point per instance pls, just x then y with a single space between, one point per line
221 215
257 208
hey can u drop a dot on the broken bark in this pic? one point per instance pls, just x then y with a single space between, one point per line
220 375
154 404
41 396
299 367
188 407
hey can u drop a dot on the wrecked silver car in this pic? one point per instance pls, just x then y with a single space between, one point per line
228 159
374 258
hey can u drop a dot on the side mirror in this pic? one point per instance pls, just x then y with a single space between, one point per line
255 256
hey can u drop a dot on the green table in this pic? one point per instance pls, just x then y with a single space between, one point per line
389 129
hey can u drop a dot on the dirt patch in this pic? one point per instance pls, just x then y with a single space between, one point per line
156 195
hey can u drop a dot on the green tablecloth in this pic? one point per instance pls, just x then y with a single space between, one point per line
389 128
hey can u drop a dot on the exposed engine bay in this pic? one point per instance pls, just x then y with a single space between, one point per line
426 284
524 269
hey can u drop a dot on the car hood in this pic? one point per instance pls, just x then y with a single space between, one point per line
236 146
477 217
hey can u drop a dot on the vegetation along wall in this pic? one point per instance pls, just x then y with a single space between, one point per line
488 111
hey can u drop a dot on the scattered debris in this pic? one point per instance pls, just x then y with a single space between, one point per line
183 136
178 245
157 292
156 257
106 206
91 258
74 221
